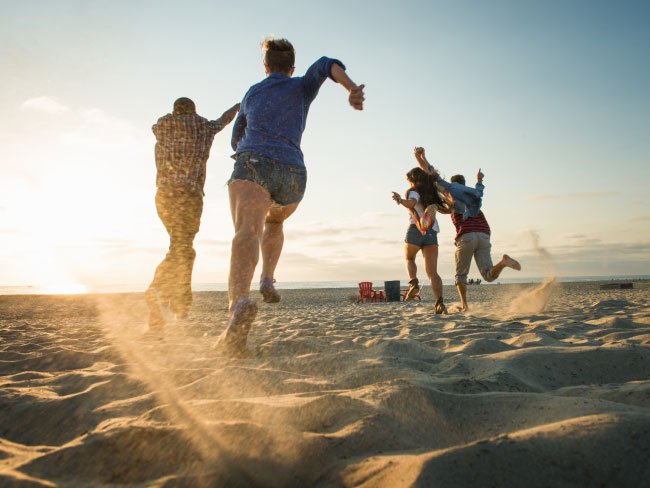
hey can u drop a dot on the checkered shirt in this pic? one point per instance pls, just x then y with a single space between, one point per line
182 149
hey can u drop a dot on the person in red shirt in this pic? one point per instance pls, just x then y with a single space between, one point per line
472 229
473 240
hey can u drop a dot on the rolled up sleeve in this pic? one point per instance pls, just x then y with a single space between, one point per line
318 73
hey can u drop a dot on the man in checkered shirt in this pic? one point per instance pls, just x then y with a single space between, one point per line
183 141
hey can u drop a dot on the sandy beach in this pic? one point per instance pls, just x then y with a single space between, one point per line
530 388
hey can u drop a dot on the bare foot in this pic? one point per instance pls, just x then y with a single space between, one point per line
511 263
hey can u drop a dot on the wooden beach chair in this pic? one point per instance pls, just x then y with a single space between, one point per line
367 294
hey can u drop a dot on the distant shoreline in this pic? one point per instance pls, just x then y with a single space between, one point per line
298 285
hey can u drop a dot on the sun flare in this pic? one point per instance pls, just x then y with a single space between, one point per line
64 289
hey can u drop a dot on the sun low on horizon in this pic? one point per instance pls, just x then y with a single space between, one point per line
549 99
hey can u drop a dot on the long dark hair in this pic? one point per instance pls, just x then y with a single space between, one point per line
425 185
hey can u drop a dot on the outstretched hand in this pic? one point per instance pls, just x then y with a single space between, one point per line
397 198
479 175
356 97
229 114
418 152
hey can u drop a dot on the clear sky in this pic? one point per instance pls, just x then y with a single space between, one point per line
550 99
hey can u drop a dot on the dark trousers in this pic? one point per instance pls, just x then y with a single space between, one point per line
179 209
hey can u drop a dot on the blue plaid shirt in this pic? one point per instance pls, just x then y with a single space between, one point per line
273 113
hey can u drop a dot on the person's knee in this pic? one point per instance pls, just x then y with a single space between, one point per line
274 224
487 274
435 279
277 215
182 246
244 234
189 253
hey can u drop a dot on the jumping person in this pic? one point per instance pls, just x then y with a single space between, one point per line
269 177
183 142
472 230
422 193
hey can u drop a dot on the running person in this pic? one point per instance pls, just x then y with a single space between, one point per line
269 177
183 142
473 240
472 229
419 196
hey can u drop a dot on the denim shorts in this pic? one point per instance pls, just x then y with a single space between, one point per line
414 237
476 245
285 182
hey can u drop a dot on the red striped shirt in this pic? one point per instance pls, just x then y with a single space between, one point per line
470 224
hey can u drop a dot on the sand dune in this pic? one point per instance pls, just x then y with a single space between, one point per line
536 386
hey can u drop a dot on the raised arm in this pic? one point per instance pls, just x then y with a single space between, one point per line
356 97
228 115
418 152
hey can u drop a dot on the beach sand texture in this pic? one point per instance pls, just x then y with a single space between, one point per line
531 388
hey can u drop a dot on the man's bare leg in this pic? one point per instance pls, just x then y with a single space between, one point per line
462 291
506 262
272 242
273 237
249 204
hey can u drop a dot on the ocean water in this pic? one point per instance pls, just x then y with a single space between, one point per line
287 285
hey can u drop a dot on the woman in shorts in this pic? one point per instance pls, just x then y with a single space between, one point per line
269 177
422 193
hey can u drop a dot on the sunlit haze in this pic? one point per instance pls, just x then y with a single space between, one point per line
550 99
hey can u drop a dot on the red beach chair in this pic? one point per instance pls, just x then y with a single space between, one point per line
367 294
405 291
